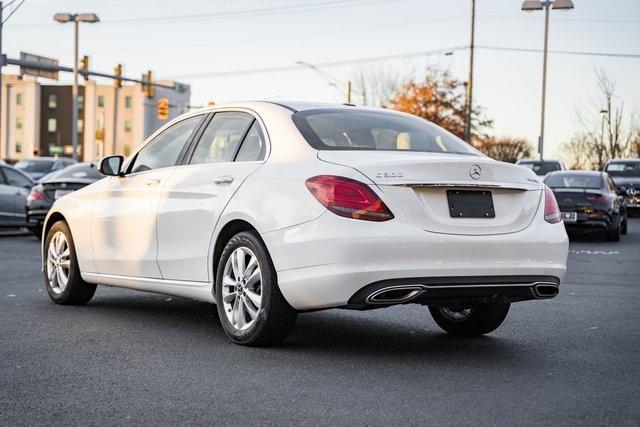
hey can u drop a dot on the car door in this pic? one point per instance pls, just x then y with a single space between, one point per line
20 186
6 201
231 147
123 229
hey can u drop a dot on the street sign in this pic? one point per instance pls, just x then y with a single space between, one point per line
38 72
163 108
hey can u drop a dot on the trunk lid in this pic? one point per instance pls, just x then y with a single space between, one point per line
415 188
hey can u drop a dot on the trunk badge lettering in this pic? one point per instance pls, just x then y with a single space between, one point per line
387 175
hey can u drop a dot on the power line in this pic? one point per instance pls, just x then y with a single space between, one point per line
265 70
239 13
283 37
563 52
321 64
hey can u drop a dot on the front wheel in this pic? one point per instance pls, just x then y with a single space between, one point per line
61 272
473 320
251 308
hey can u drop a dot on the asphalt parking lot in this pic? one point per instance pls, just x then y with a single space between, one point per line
137 358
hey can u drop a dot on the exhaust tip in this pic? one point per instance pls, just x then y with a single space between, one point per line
394 295
545 290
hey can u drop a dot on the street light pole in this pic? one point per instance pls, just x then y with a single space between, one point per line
76 18
468 107
544 79
529 6
74 93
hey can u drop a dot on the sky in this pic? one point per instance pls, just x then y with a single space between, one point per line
206 44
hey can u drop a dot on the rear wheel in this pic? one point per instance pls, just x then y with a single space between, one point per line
61 272
250 305
614 235
477 319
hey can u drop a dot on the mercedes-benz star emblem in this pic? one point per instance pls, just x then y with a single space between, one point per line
475 171
632 191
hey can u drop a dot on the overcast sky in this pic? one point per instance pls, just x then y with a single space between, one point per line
197 41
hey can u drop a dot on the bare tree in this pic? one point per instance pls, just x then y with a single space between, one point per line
608 130
375 85
506 149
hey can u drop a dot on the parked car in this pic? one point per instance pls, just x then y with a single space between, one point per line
626 175
589 202
38 167
542 167
14 187
55 185
272 209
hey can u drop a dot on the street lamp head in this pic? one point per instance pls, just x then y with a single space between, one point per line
64 17
562 4
531 5
90 18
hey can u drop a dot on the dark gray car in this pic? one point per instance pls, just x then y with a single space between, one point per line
14 188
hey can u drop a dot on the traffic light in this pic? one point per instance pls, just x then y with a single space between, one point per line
117 70
147 86
84 67
163 108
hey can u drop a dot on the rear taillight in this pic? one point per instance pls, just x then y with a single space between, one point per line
349 198
599 200
551 210
36 195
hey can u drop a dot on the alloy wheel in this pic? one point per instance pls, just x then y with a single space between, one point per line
242 288
456 315
58 262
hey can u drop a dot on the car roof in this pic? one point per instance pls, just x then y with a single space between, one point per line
539 161
580 172
292 106
623 161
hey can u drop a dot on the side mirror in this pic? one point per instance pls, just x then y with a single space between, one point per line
111 166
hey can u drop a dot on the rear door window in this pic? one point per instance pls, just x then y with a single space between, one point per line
221 139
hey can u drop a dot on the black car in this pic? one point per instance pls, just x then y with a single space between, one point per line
626 174
589 202
14 187
38 167
54 186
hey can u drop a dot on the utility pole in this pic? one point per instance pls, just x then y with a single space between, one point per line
349 92
2 65
469 99
74 93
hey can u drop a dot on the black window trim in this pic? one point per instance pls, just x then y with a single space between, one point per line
194 143
186 146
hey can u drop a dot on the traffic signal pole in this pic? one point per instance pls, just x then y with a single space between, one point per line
74 93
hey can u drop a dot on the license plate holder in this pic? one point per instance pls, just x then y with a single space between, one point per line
570 217
470 204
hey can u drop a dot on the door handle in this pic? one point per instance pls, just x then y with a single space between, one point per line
227 179
150 182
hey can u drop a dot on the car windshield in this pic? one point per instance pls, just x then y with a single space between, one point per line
541 168
623 169
338 129
35 165
81 171
562 180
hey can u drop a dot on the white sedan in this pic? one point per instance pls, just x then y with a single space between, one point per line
272 209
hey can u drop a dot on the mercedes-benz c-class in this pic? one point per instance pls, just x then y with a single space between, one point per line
273 209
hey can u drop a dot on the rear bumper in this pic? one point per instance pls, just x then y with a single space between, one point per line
454 290
36 217
325 262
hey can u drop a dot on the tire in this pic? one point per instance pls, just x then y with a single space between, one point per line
614 235
252 310
476 320
75 291
36 231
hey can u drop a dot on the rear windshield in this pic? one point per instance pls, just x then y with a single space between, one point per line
35 165
81 171
623 169
337 129
541 168
566 180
